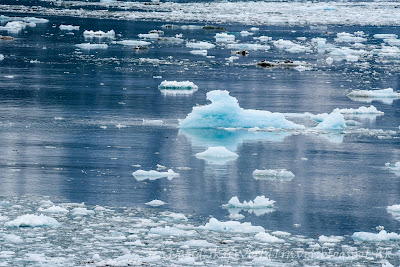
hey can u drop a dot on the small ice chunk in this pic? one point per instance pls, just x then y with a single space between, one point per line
89 46
254 29
394 210
99 34
231 226
217 155
263 38
344 37
246 33
174 85
383 93
133 43
11 238
267 238
2 58
385 36
81 212
31 220
172 231
361 110
200 45
152 122
69 28
236 216
53 209
224 37
199 52
246 46
273 174
260 202
142 175
149 35
155 203
334 121
330 239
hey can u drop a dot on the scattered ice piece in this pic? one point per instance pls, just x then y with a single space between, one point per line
149 35
395 168
69 28
267 238
273 174
281 233
2 58
334 121
172 231
246 33
361 110
236 216
11 238
155 203
260 202
254 29
192 27
385 95
141 175
224 37
199 52
53 209
263 38
99 34
217 155
379 237
394 210
89 46
224 111
81 212
31 220
290 47
345 37
330 239
231 226
174 85
385 36
244 46
200 45
198 243
133 43
152 122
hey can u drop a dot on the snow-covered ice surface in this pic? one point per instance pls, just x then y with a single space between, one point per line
76 123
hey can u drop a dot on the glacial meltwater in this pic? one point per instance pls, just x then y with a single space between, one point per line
211 133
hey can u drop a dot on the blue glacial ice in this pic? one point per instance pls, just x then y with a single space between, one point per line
225 112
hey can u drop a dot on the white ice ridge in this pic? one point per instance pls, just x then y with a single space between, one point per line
89 46
231 226
226 12
224 111
31 220
99 34
174 85
217 155
379 237
260 202
276 174
69 28
142 175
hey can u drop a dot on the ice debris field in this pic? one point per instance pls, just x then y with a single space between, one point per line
220 133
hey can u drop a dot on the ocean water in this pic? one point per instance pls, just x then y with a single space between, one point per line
75 124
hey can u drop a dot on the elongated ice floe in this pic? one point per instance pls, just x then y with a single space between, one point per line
54 209
172 231
260 202
361 110
217 155
224 111
379 237
69 28
245 46
224 37
99 34
199 52
385 36
89 46
385 95
133 43
231 226
142 175
273 174
149 35
177 88
200 45
155 203
16 26
31 220
349 38
267 238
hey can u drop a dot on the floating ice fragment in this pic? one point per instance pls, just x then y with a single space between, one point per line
133 43
53 209
394 210
385 95
349 38
236 216
334 121
361 110
395 168
330 239
141 175
224 111
31 220
11 238
246 33
199 52
172 231
149 35
245 46
2 58
174 85
231 226
379 237
99 34
81 212
273 174
217 155
155 203
200 45
69 28
267 238
89 46
385 36
260 202
290 47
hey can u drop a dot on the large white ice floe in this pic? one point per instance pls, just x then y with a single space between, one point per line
69 28
334 121
200 45
177 88
89 46
231 226
217 155
142 175
372 237
225 112
99 34
260 202
155 203
31 220
283 175
384 95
